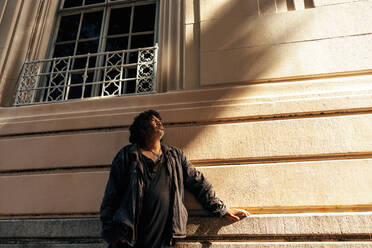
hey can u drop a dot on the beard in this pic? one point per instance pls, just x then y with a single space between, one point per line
155 132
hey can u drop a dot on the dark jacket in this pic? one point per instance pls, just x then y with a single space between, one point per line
122 201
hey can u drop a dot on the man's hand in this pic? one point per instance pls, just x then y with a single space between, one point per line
236 214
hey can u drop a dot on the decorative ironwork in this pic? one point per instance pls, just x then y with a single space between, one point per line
124 72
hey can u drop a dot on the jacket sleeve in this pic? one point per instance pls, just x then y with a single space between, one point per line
111 198
201 188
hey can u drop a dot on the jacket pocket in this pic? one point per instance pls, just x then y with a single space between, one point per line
180 216
122 225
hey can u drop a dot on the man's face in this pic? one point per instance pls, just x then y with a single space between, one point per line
157 126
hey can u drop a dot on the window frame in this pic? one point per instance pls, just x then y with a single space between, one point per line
106 7
170 50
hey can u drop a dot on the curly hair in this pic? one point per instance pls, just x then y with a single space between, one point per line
141 127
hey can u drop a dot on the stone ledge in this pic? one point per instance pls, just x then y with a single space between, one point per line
50 228
284 224
213 245
51 245
273 244
306 225
341 94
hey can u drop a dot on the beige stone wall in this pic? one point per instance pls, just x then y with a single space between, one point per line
270 147
244 41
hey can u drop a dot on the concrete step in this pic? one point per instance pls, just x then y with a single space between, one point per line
325 230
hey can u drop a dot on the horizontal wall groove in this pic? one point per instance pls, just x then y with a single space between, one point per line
298 78
199 163
291 116
272 160
72 169
286 43
46 240
203 239
48 216
291 210
282 238
255 212
256 118
69 131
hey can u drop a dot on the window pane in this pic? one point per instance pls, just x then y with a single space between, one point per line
79 33
130 87
80 63
75 92
133 57
119 21
87 47
132 73
91 26
144 18
139 41
88 2
68 28
76 78
84 48
64 50
114 44
88 91
72 3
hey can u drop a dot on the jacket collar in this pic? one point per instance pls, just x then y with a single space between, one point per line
134 149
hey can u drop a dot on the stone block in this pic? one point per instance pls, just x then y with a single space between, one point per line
268 188
296 26
282 61
299 137
239 102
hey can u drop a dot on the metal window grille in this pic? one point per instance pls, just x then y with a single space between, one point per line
54 80
100 48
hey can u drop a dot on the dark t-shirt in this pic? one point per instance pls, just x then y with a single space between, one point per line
154 229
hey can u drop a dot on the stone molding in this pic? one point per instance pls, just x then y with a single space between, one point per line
239 103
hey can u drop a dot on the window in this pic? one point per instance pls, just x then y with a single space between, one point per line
100 48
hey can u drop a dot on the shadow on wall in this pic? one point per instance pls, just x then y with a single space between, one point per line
243 30
256 59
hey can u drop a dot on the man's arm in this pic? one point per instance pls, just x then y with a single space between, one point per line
111 199
204 192
201 188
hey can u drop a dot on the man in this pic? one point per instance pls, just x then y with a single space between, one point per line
143 202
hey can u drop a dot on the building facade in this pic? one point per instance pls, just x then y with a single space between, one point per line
270 99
